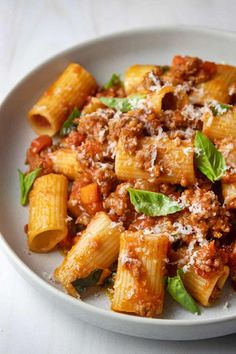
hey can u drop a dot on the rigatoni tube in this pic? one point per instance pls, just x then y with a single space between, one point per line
64 161
70 90
134 76
174 159
220 127
217 88
139 284
205 289
47 212
97 249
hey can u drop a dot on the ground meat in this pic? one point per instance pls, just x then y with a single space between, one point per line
143 222
153 78
210 259
130 261
118 204
103 174
206 213
95 125
129 128
39 159
173 120
176 119
191 69
187 134
90 151
168 189
114 91
146 159
73 140
153 225
152 123
203 182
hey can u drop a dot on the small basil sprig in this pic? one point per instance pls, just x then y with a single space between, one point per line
81 284
177 291
122 104
69 124
209 160
219 108
26 182
152 204
114 80
164 68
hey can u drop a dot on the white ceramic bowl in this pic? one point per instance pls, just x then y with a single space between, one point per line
102 57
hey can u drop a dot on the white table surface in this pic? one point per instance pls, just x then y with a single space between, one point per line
30 32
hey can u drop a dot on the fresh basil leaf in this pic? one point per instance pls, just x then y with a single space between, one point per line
219 108
69 124
152 204
122 104
26 182
81 284
114 80
177 291
164 68
209 160
109 281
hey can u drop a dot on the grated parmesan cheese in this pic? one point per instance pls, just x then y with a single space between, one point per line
183 229
69 218
156 82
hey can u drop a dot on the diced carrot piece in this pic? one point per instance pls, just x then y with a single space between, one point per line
94 207
89 194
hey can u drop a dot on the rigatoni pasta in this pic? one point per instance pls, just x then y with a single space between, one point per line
205 290
64 161
220 126
97 249
134 77
166 158
218 88
70 90
47 213
139 284
138 189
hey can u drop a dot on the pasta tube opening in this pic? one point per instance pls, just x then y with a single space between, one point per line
169 101
70 90
46 240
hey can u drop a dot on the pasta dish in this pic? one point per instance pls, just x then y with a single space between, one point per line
135 182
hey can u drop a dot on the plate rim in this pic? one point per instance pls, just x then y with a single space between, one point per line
22 268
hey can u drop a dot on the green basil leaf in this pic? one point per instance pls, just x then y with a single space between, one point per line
152 204
109 281
26 182
81 284
122 104
219 108
114 80
164 68
69 124
177 291
209 160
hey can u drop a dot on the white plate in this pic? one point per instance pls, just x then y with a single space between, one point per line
102 57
